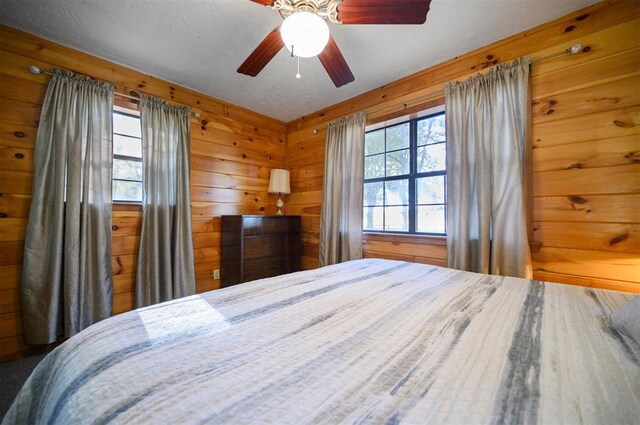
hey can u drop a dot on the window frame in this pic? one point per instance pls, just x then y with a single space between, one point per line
133 114
412 177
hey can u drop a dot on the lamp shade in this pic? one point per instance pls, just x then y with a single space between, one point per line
305 34
279 181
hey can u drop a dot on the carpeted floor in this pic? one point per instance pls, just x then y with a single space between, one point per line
12 376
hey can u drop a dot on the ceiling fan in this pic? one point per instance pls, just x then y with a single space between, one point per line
305 32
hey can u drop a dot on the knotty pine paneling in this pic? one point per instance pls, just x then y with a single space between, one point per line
232 153
418 249
610 208
585 137
619 237
10 276
588 154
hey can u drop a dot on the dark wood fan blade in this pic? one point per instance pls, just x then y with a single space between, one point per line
263 54
333 61
264 2
395 12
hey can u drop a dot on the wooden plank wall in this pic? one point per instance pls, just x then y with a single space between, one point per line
232 153
586 147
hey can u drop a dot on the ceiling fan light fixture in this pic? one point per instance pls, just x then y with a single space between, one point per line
305 34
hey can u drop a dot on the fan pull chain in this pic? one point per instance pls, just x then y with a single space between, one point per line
298 76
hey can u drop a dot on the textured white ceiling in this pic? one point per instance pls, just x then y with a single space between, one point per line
200 43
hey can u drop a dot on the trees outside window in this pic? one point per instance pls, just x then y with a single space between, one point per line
405 177
127 158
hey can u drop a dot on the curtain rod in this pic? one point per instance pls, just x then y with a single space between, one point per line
37 70
576 48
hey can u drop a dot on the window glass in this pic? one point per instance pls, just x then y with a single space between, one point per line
430 219
373 218
431 130
405 177
396 192
374 142
397 137
432 158
127 158
430 190
127 146
373 194
126 124
398 163
396 219
124 169
374 166
127 191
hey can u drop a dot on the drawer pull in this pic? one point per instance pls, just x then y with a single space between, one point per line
272 245
273 267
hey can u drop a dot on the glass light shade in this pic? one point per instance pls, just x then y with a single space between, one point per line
306 33
279 181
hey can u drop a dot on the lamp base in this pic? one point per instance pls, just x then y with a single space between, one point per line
279 204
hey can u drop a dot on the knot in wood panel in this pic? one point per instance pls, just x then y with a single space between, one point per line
634 157
618 239
624 124
574 199
603 99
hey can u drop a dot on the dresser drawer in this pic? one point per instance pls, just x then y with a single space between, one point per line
271 225
264 246
259 268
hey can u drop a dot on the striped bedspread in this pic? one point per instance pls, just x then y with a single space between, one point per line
369 341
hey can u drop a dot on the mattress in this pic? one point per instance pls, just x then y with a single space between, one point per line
367 341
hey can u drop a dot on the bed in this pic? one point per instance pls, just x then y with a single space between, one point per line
367 341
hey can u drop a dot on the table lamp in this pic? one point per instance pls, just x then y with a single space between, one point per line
279 183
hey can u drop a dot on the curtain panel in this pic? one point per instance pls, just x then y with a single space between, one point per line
341 214
66 278
487 124
165 268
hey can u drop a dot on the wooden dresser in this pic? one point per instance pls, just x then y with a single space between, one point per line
258 246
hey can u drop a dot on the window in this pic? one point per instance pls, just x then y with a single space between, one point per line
405 177
127 157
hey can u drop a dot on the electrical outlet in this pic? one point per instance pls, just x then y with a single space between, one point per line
216 274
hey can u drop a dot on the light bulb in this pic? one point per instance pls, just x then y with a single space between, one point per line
305 34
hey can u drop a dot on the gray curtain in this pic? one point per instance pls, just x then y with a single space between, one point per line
66 272
487 147
165 261
341 215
